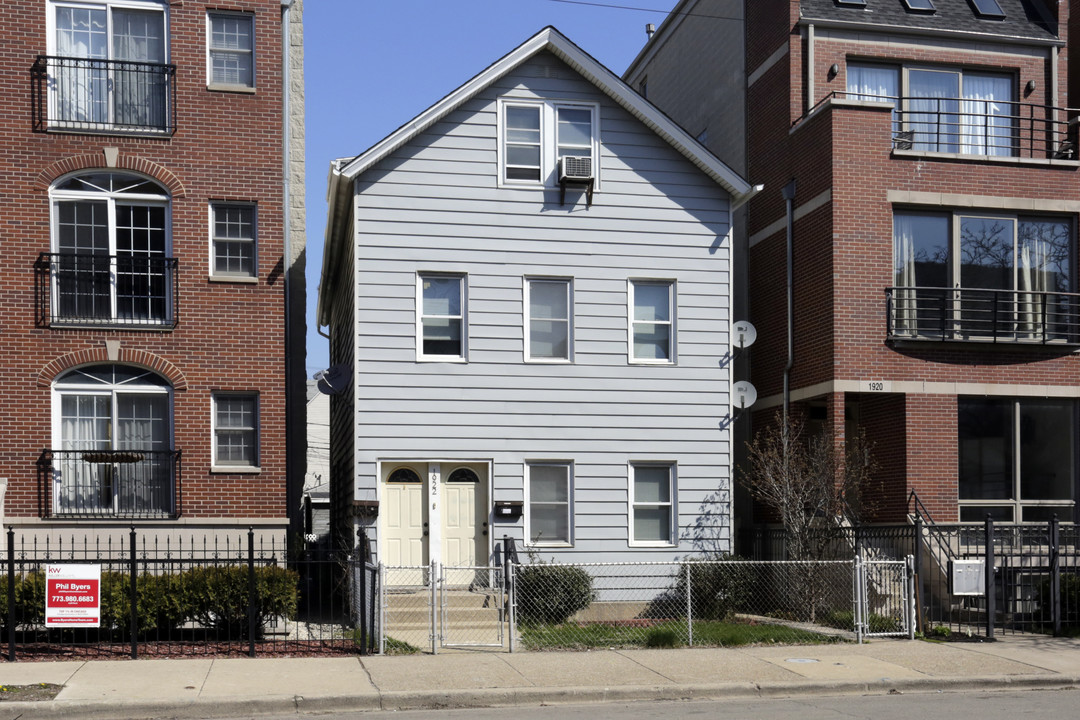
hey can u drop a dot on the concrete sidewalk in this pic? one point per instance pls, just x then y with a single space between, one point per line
296 686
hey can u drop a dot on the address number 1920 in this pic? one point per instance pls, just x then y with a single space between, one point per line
877 386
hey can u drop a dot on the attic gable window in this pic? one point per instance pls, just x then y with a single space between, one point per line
535 136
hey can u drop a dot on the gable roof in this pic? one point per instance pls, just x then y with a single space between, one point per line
345 170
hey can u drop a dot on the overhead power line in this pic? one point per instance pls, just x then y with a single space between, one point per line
641 9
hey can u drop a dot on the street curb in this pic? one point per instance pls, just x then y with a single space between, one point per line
510 697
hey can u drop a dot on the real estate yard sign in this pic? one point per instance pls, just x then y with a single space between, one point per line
73 595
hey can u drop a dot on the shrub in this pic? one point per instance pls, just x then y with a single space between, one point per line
662 638
551 593
217 596
717 589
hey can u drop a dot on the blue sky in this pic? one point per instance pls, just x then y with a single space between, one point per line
371 65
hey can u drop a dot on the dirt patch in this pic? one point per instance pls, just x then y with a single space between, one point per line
25 693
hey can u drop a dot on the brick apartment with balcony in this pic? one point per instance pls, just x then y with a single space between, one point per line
152 249
924 156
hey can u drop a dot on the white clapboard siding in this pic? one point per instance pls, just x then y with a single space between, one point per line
435 205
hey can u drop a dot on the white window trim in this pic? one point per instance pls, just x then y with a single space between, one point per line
527 325
673 506
111 199
464 356
111 391
231 87
548 140
253 276
215 467
161 6
672 323
569 465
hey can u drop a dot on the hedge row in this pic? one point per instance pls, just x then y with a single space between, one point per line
214 597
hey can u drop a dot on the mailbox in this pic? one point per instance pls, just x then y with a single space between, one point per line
366 508
967 577
508 510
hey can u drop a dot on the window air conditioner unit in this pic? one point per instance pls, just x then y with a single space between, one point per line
575 169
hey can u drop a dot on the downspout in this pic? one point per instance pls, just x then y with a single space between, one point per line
286 166
788 192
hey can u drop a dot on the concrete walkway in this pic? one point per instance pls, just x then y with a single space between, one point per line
296 686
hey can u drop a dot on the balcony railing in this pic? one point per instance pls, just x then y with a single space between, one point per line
988 316
110 483
102 96
966 126
106 290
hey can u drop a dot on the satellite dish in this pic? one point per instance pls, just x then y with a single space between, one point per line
745 334
745 394
334 380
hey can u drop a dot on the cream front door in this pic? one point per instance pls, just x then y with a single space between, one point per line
464 515
405 519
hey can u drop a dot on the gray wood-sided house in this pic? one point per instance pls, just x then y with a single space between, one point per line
530 286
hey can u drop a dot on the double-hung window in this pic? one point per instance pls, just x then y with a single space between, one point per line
233 240
111 261
550 503
106 68
441 321
971 275
231 50
1018 458
652 325
942 109
549 302
236 430
652 506
114 453
535 136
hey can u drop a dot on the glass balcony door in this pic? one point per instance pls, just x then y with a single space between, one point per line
104 76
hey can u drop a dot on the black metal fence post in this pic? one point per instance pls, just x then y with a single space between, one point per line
1055 574
361 566
251 591
991 610
11 593
134 570
920 591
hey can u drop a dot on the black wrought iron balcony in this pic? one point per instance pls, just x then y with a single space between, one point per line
967 126
128 291
102 96
983 316
110 483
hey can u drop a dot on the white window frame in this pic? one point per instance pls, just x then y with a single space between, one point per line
112 391
673 504
112 199
549 161
161 6
569 466
671 322
527 314
463 355
216 274
218 465
211 83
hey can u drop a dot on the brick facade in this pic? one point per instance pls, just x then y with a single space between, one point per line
231 335
849 182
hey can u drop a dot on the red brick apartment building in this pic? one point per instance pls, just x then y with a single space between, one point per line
922 152
151 250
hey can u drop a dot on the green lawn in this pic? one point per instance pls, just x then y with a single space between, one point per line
665 634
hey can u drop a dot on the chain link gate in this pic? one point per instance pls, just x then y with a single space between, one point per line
884 597
437 606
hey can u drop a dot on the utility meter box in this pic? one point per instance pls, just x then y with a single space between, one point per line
967 577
